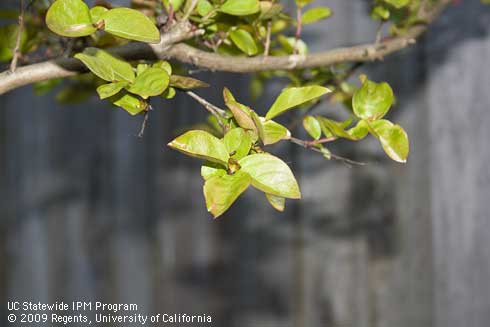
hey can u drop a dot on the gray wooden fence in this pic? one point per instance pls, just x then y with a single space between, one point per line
88 211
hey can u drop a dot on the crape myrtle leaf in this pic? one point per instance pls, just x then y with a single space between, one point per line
274 132
359 131
221 191
186 83
244 41
210 169
295 96
130 24
373 100
238 143
141 68
8 38
165 65
269 9
380 13
315 14
151 82
240 112
204 7
290 43
96 13
130 103
176 4
41 88
169 93
398 3
110 89
260 132
105 65
276 202
393 139
240 7
271 175
312 127
302 3
201 144
334 128
70 18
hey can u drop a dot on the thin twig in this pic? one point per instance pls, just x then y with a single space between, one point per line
191 9
217 112
268 39
16 52
145 122
379 33
299 24
308 145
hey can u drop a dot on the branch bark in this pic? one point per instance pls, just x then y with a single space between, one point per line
171 47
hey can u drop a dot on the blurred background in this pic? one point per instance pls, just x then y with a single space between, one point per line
91 212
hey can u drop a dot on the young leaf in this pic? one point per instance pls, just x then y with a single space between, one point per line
96 13
269 10
176 4
131 104
151 82
312 126
70 18
295 96
238 143
240 7
201 144
271 175
186 83
239 111
204 7
276 202
165 65
105 65
244 41
335 128
359 131
372 101
130 24
393 138
210 169
221 191
274 132
315 14
398 3
108 90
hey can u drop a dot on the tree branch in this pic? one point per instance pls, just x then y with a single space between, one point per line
170 48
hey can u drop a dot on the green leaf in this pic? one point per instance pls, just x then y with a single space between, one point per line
151 82
316 14
176 4
295 96
131 104
312 126
186 83
41 88
302 3
398 3
131 24
70 18
290 43
240 7
269 10
108 90
274 132
204 7
169 93
96 13
244 41
380 12
393 139
271 175
359 131
210 169
221 191
8 38
276 202
335 128
105 65
141 68
201 144
165 65
238 143
239 111
373 100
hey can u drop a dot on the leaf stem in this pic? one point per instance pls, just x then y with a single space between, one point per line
16 51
